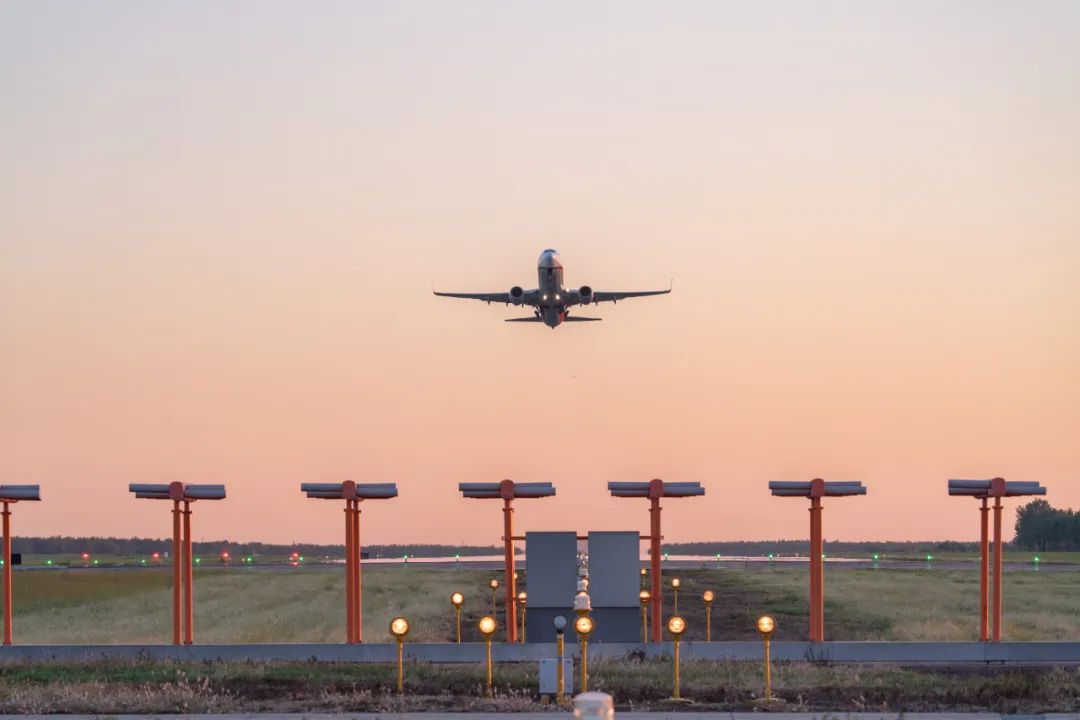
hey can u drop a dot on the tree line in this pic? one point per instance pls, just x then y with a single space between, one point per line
1042 527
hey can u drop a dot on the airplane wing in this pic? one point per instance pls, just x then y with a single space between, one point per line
529 297
600 297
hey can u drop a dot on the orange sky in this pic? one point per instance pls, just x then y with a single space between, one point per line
220 227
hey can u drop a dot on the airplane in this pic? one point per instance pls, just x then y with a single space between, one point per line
551 302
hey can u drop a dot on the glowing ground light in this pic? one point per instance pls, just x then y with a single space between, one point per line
96 562
876 557
48 562
929 558
143 561
198 560
1035 559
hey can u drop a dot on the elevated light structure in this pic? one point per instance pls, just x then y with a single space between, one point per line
996 488
12 494
508 491
654 490
179 492
815 490
353 494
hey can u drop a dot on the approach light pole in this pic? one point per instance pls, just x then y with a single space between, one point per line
508 491
654 490
815 490
982 490
178 493
353 494
9 495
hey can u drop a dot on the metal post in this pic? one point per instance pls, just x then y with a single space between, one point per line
998 566
676 694
817 595
584 664
560 681
189 593
509 584
177 572
487 655
654 567
350 609
7 575
400 666
708 622
358 605
644 624
984 571
457 621
768 671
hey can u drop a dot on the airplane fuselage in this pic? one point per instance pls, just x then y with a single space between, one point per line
552 307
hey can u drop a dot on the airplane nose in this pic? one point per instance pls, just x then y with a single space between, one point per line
550 259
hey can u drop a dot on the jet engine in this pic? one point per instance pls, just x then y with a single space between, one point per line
585 295
517 295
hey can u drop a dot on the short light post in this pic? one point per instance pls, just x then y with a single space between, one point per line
521 598
676 583
584 626
494 584
560 650
644 576
487 626
456 599
643 599
765 626
708 596
399 628
676 626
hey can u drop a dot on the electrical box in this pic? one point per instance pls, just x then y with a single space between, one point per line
549 676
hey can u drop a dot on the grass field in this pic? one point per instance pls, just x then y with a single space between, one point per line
306 604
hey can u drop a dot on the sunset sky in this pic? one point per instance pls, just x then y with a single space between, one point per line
220 225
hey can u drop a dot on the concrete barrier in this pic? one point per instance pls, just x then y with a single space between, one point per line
944 653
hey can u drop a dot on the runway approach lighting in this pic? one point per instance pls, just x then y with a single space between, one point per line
508 491
9 495
676 626
654 490
583 626
522 597
815 490
765 626
179 493
494 584
399 628
707 597
676 583
353 494
982 490
560 649
643 600
487 627
456 599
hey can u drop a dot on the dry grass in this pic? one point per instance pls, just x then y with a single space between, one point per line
108 688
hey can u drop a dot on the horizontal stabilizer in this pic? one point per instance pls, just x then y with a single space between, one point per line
528 319
578 318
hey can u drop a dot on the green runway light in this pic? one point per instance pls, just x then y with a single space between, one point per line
143 561
48 562
929 558
876 557
198 560
96 562
1035 559
301 558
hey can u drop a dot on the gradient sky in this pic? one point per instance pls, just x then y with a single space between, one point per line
220 225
